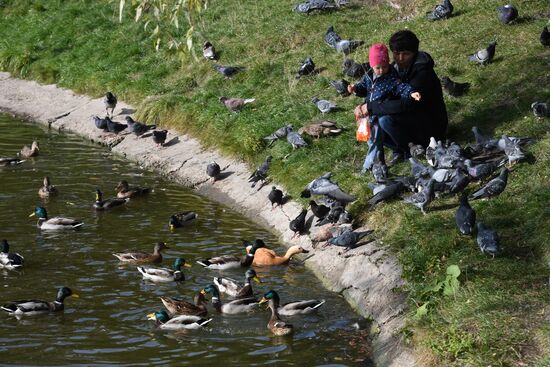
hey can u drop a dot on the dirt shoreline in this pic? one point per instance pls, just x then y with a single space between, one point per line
368 277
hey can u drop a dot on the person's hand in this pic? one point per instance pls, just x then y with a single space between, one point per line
416 96
351 88
361 111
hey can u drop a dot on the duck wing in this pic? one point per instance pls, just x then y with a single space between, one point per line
181 307
27 306
300 307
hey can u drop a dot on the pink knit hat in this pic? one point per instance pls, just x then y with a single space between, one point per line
378 55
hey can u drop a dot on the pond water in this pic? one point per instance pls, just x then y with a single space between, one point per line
107 325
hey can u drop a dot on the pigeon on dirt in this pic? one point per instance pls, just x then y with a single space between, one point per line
298 224
485 55
235 104
541 109
332 216
347 46
321 128
493 187
416 150
100 123
137 127
487 240
545 37
213 171
319 210
159 137
441 11
275 196
379 168
208 51
114 127
324 186
349 239
341 87
311 5
389 191
512 150
277 134
110 101
323 105
295 139
423 198
507 13
331 37
465 216
260 174
454 89
354 69
307 67
228 71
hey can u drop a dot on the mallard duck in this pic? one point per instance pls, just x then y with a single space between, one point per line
265 256
125 191
33 307
318 129
101 204
54 223
275 324
234 289
293 308
4 162
242 305
164 274
142 257
31 151
7 260
181 307
229 261
177 323
47 189
181 219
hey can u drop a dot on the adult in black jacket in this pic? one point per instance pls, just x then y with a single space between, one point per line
401 121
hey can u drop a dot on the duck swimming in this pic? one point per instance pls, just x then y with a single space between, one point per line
265 256
9 260
181 219
164 321
33 307
181 307
142 257
242 305
125 191
293 308
55 223
275 324
164 274
229 261
32 151
47 189
101 204
234 289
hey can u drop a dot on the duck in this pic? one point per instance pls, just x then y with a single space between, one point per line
4 161
293 308
101 204
181 219
10 261
55 223
125 191
237 306
164 274
265 256
163 321
32 151
321 128
180 307
32 307
229 261
142 257
275 324
47 189
234 289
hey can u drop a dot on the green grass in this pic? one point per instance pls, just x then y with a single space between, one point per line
499 316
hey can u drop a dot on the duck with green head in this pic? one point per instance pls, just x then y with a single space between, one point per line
143 257
181 322
180 307
55 223
33 307
275 324
124 190
234 289
242 305
101 204
293 308
228 261
164 274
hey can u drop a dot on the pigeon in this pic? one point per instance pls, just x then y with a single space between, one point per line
307 67
507 13
100 123
110 102
324 186
228 71
482 170
430 151
418 169
341 87
545 37
114 127
275 196
541 109
332 216
485 141
159 137
295 139
277 134
297 225
213 170
235 104
441 11
493 187
454 89
9 260
318 129
311 5
512 150
353 69
487 240
319 210
484 56
208 51
323 105
465 216
389 191
347 46
260 174
349 239
422 198
460 182
137 127
331 37
379 169
416 150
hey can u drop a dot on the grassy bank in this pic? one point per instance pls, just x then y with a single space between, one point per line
499 315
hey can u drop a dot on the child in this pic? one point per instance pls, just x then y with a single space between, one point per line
380 83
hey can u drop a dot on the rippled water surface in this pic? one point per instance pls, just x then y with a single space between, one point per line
107 325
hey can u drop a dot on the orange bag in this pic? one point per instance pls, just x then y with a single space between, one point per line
363 129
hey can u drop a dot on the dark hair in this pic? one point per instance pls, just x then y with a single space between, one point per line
404 40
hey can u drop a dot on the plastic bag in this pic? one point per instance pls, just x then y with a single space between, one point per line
363 129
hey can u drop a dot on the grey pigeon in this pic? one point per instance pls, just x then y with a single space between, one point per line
465 216
114 127
441 11
349 239
331 37
485 141
416 150
159 136
311 5
507 13
482 170
512 150
324 186
353 69
418 169
541 109
379 168
347 46
137 127
545 37
235 104
260 174
295 139
388 192
277 134
459 182
110 101
341 87
454 89
297 225
485 55
208 51
307 67
423 198
323 105
275 196
213 170
228 71
487 240
493 187
100 123
455 151
333 215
